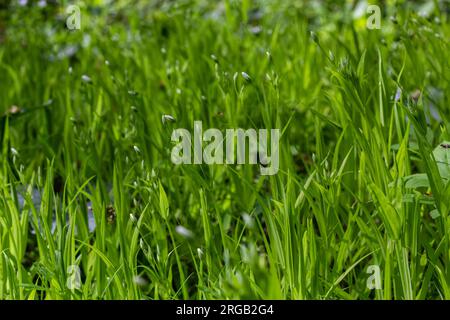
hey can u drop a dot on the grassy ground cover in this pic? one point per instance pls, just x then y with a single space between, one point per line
87 182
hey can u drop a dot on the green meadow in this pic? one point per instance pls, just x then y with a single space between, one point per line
93 207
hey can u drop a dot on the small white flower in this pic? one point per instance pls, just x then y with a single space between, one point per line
136 148
182 231
42 3
14 152
246 76
200 253
167 118
86 78
23 3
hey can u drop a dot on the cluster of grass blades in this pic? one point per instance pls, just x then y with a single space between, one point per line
91 207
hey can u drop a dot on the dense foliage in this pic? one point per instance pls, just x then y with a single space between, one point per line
83 143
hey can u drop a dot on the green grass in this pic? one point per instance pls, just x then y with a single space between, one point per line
358 185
